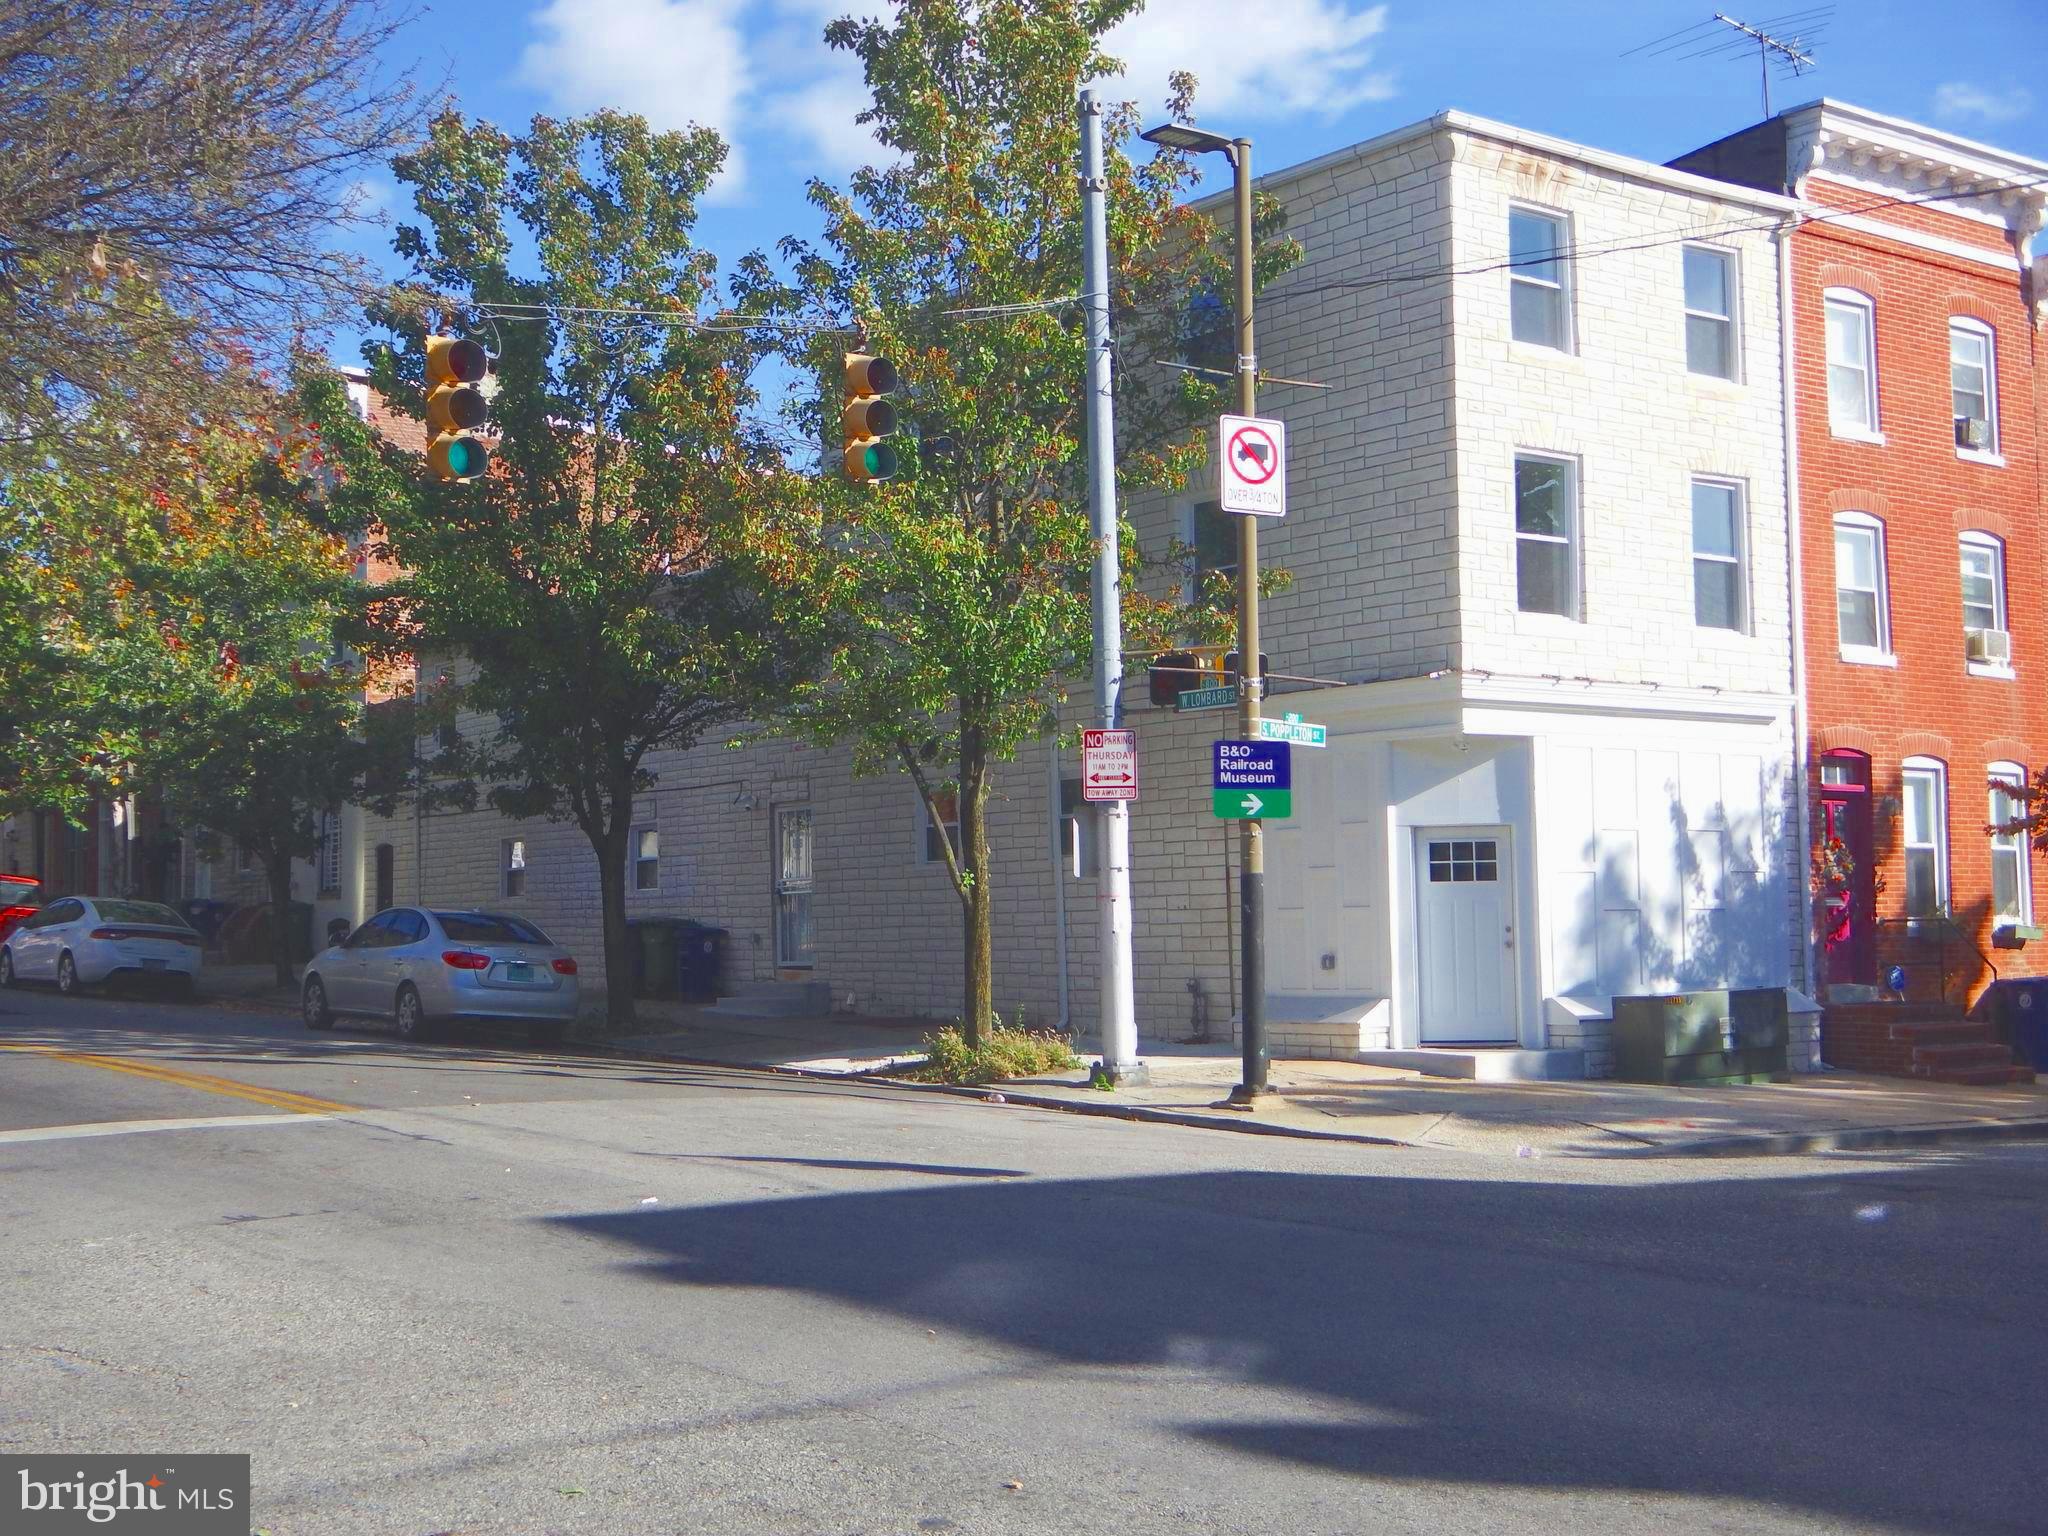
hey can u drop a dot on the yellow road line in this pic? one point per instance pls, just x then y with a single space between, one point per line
276 1098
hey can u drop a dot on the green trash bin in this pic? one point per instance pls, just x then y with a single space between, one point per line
654 955
1702 1037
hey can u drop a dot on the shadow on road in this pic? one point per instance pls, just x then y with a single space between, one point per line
1855 1345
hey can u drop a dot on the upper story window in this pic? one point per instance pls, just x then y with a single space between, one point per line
1985 636
2012 893
1852 363
1710 312
1539 295
1212 541
512 866
1718 585
1925 822
1546 536
1860 587
1973 386
647 859
946 805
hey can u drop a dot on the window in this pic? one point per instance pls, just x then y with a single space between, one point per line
647 859
1973 386
2012 896
1710 312
330 853
1983 583
1717 539
1852 363
1212 537
1077 851
1546 536
489 928
1538 301
513 862
947 804
1459 862
1208 332
1859 586
1926 837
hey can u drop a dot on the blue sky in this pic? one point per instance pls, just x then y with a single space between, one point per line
1301 77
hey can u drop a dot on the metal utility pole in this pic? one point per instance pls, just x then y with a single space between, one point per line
1251 883
1119 1009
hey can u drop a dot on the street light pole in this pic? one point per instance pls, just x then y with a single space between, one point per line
1251 880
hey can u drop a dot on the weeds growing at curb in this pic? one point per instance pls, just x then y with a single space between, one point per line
1007 1053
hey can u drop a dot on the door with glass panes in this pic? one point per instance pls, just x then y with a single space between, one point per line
795 937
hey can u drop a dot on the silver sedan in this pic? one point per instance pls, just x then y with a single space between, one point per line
416 966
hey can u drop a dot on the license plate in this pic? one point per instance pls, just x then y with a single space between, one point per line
518 970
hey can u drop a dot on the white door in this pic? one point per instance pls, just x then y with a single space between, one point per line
796 941
1465 930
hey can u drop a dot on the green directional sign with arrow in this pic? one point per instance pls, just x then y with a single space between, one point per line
1253 804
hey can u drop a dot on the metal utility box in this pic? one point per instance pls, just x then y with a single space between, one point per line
1702 1037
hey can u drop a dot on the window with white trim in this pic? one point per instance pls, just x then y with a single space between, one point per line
947 803
1718 584
1212 543
1860 586
1852 363
1546 535
1710 312
512 866
646 859
2012 893
1983 562
1924 824
1973 386
1539 292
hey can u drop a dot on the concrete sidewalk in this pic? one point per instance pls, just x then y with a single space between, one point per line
1350 1101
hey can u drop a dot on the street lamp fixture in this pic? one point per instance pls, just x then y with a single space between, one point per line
1196 141
1251 882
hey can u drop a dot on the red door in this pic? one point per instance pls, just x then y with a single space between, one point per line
1848 897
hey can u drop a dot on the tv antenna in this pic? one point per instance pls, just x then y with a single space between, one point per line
1784 42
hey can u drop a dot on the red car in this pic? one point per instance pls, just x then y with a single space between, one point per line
19 896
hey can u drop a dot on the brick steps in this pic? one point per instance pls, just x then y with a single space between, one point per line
1924 1040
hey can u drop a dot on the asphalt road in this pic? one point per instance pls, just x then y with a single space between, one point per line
474 1288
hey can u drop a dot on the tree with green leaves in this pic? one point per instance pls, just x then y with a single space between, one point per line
575 577
955 599
195 622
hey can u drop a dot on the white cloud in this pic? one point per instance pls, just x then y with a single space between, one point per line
675 62
1269 60
820 110
1959 98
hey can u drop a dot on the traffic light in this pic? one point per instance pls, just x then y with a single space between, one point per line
1172 674
869 418
1230 666
455 407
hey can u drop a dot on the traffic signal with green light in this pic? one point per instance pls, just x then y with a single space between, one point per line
456 407
869 419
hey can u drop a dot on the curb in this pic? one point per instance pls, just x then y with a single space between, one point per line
1791 1143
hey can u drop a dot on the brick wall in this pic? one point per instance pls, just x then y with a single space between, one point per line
1925 494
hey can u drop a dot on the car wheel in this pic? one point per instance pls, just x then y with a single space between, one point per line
314 1005
408 1015
6 967
67 974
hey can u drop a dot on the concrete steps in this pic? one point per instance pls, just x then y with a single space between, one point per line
1925 1040
776 1000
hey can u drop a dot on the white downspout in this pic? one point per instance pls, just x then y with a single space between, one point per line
1795 529
1059 880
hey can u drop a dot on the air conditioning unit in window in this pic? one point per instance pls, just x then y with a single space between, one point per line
1992 645
1973 432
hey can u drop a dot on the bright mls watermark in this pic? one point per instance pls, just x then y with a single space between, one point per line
162 1495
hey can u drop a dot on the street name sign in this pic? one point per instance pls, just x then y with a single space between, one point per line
1253 479
1220 697
1109 765
1254 780
1295 730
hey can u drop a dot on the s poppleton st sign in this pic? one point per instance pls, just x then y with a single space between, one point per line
1252 478
1254 780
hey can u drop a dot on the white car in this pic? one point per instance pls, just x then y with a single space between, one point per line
83 941
416 966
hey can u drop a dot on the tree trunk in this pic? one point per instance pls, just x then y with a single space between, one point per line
977 903
278 866
610 847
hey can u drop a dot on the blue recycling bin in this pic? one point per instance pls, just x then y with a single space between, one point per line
2018 1010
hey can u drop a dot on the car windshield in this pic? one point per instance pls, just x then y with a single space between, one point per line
489 928
16 892
138 912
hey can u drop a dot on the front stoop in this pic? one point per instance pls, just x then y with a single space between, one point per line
1926 1040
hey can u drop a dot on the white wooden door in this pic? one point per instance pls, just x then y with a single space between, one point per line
1464 918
